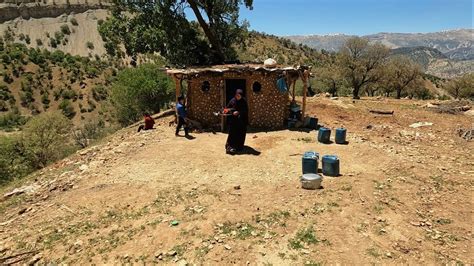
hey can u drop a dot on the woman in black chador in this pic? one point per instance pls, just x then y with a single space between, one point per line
237 123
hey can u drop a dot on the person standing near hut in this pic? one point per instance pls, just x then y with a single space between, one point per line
237 123
181 110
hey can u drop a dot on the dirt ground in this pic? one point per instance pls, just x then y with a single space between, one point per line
405 195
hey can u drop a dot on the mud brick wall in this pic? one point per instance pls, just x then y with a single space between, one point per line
267 108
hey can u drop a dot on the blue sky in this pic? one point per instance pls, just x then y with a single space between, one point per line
360 17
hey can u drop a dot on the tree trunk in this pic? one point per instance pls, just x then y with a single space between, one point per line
334 89
399 93
355 92
216 45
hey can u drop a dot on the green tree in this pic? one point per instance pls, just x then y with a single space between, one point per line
138 90
74 21
90 45
462 87
13 163
45 137
65 29
331 78
67 109
360 63
161 26
401 72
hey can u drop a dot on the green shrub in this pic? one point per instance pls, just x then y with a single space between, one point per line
99 93
57 56
9 35
142 89
11 120
6 59
45 138
12 161
92 106
5 93
74 22
39 42
15 72
34 109
67 109
27 39
89 131
65 29
3 106
59 35
90 45
53 43
26 98
92 72
69 94
45 98
7 78
36 56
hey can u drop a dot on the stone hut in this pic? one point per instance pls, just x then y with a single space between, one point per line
209 89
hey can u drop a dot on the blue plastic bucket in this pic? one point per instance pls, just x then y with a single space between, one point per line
324 135
330 165
310 162
341 135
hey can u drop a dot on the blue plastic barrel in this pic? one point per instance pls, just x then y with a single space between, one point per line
310 162
330 165
324 135
313 123
341 135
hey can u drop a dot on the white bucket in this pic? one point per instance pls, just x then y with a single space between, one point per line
311 181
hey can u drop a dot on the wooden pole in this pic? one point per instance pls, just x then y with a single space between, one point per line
294 91
178 93
223 102
305 88
178 87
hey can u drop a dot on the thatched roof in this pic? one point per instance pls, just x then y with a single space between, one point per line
233 68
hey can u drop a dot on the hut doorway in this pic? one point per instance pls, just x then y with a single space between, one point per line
231 85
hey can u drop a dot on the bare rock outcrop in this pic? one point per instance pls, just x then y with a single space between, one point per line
26 9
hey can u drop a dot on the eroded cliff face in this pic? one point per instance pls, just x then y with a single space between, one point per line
84 38
26 9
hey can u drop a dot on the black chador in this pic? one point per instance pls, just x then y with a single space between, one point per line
237 123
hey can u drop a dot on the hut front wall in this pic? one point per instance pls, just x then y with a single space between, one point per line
267 108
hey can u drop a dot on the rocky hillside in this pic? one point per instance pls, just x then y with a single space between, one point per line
26 9
260 46
434 62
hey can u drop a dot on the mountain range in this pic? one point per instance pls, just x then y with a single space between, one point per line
446 54
455 44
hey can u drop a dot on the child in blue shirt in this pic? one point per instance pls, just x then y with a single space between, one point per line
181 110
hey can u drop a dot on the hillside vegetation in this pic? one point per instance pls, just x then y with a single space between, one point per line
36 81
260 46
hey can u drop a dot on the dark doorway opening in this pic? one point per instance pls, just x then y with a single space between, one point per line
231 85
